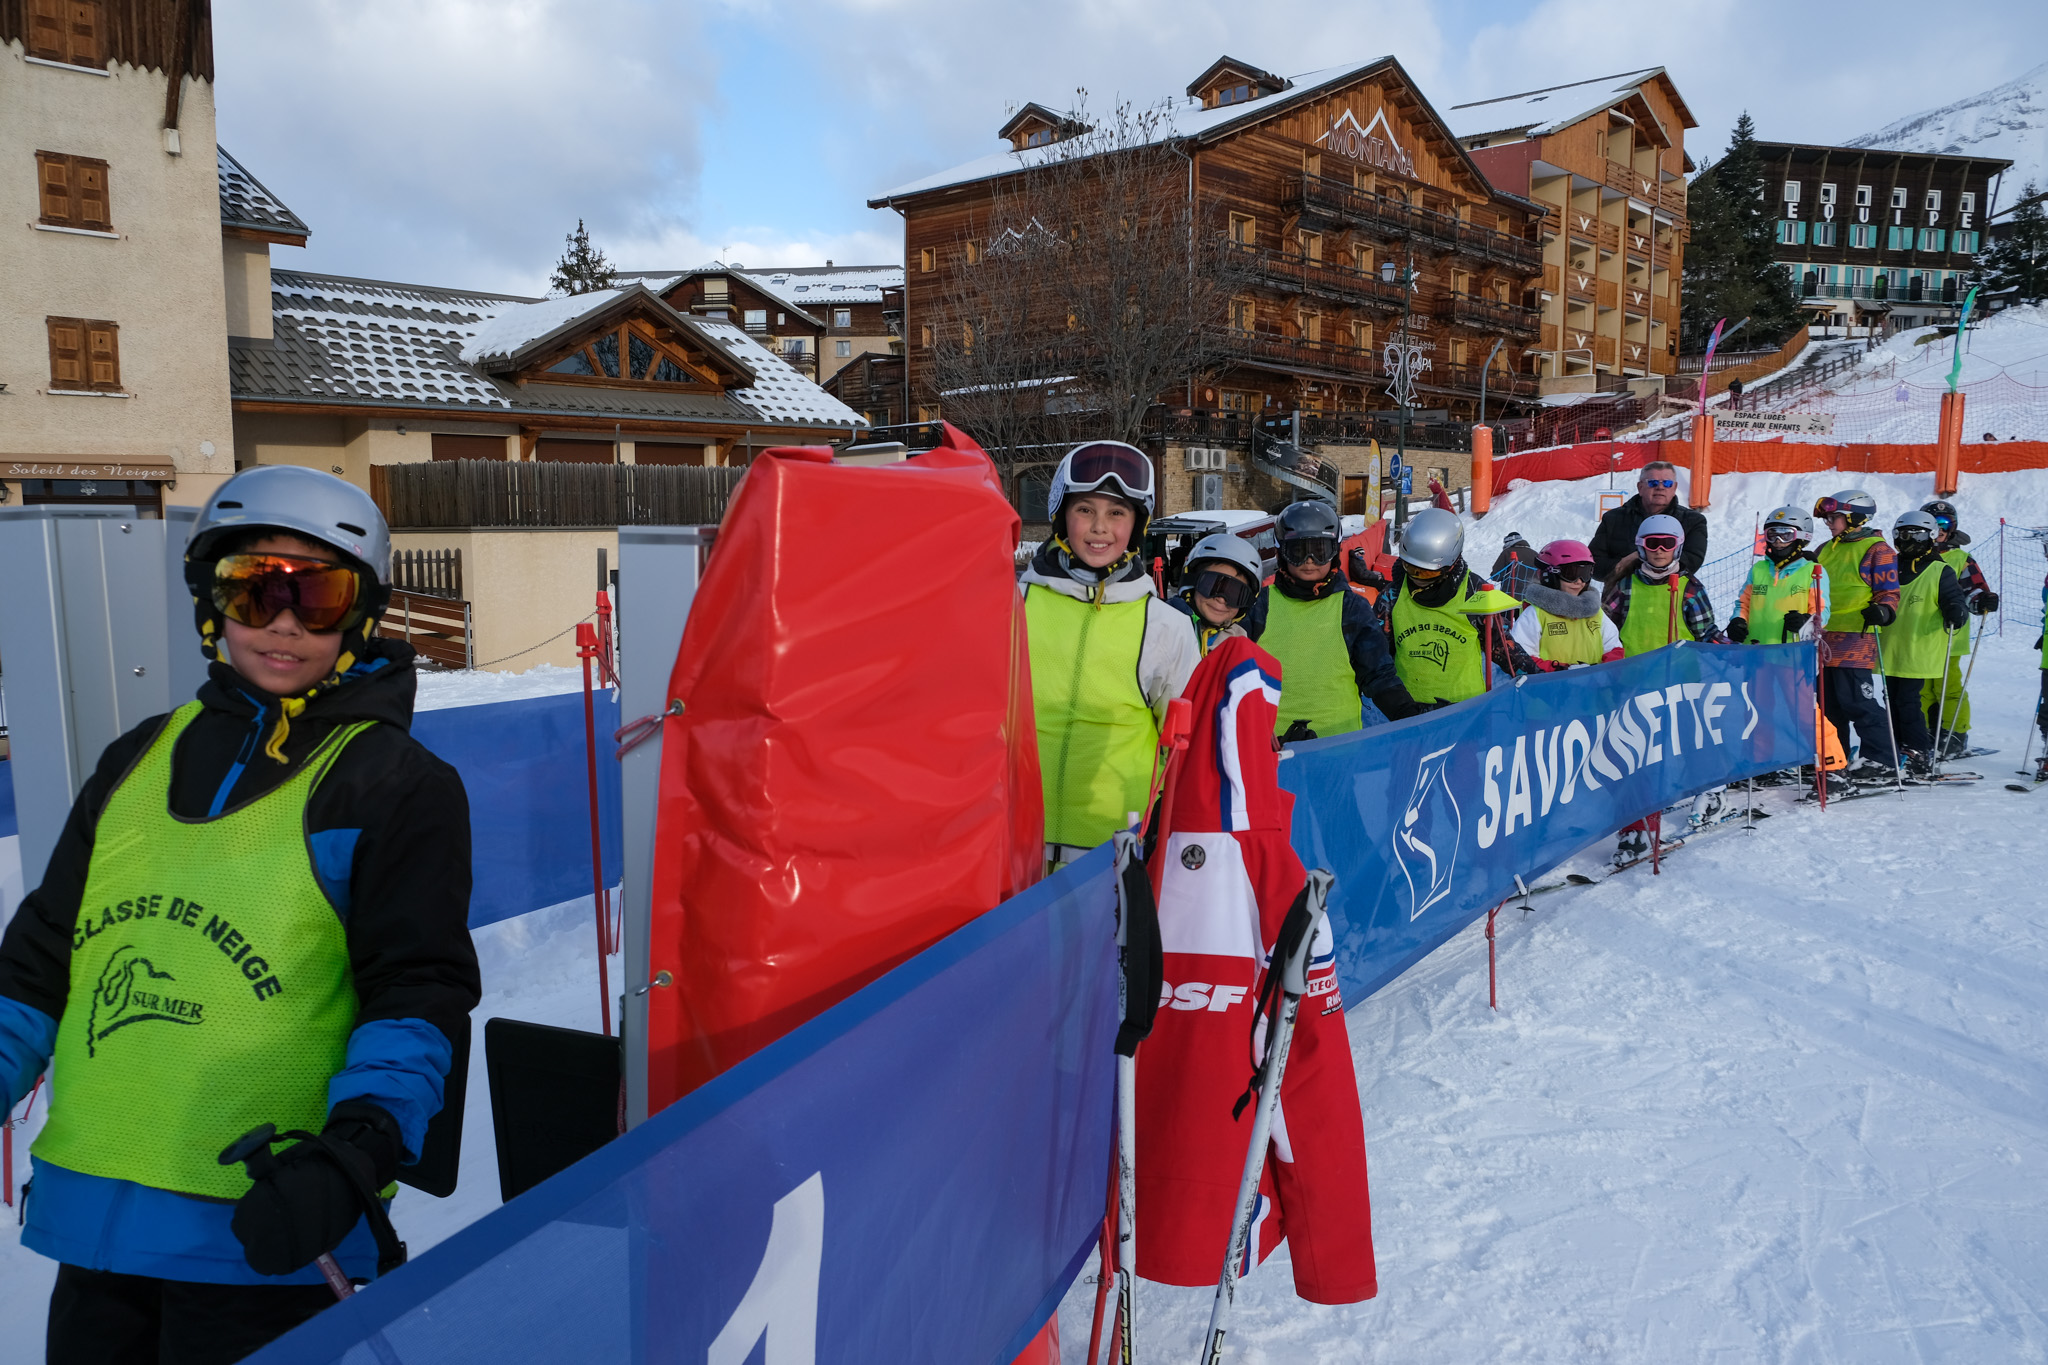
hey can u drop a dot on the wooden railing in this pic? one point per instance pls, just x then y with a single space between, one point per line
437 627
1333 200
1513 320
1607 295
466 494
436 573
1313 276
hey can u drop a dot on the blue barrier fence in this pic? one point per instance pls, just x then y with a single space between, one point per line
522 763
915 1175
1426 823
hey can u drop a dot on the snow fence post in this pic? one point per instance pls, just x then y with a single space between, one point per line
1702 461
1482 469
1948 452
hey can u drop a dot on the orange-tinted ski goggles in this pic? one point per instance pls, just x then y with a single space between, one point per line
251 589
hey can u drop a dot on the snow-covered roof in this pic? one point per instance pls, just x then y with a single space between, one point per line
1185 118
372 342
821 286
244 203
1535 113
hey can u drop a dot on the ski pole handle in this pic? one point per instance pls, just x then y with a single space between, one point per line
252 1151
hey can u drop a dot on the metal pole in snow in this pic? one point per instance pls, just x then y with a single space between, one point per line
586 650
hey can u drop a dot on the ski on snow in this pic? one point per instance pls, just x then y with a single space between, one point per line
1689 833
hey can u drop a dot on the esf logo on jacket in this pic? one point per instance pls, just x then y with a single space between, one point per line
1200 995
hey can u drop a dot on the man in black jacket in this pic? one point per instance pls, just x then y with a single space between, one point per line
1614 542
257 912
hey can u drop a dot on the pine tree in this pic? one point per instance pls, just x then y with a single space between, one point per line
1730 270
583 268
2018 260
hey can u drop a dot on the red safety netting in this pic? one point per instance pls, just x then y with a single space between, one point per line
854 770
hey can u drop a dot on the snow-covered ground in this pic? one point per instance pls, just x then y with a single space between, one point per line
1787 1101
475 687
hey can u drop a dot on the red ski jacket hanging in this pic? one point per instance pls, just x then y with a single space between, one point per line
854 771
1226 876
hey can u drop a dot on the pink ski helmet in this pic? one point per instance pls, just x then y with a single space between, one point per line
1559 553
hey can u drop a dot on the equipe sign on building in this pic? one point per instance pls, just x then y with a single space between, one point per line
1427 823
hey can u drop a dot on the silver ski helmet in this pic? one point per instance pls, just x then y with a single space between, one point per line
1231 549
1790 519
1111 467
303 501
1915 526
1853 503
1435 539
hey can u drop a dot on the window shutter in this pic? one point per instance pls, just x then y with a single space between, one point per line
103 355
56 177
67 353
83 29
89 177
46 36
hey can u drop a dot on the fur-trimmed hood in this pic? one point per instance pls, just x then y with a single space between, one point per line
1558 602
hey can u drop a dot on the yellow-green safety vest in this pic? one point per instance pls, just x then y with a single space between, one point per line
1656 616
1097 734
210 982
1959 560
1772 594
1848 594
1317 683
1436 649
1566 639
1916 643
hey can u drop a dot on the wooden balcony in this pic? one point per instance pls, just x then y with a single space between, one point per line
1635 301
1317 199
1608 295
1494 317
1663 313
1578 284
1552 279
1603 350
1671 196
1464 381
1298 355
1298 273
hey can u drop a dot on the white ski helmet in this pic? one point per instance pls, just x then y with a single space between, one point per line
1660 525
1435 539
1233 550
1103 466
1791 519
1915 525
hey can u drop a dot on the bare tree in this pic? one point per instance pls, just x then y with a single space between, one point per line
1088 291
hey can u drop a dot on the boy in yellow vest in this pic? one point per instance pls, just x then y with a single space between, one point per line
1919 643
1946 703
1107 654
1656 604
1329 642
1785 590
1863 596
1222 578
256 913
1563 626
1449 626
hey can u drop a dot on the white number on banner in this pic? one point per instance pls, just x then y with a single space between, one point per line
782 1302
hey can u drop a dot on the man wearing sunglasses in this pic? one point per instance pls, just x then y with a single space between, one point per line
1862 598
257 913
1614 540
1328 639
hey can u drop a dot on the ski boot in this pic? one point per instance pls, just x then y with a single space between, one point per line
1957 745
1631 846
1868 772
1705 807
1919 764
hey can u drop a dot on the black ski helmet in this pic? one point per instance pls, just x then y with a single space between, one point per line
1943 512
1310 519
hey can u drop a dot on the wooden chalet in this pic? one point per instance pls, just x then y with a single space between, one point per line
1330 187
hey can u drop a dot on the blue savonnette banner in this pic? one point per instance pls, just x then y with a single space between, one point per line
1426 823
916 1175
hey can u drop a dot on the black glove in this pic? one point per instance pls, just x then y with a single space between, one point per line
1396 704
1986 603
1297 732
1878 614
1738 631
1956 621
1795 621
309 1200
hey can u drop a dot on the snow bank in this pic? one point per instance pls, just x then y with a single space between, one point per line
475 687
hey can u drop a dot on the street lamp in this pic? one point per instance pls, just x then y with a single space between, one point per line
1406 357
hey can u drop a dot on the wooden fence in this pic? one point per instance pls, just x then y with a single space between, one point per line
436 573
437 627
465 494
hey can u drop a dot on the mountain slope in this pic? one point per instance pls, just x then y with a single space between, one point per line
2009 121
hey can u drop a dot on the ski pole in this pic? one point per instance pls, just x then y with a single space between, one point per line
1948 648
1288 968
1975 649
1891 730
1141 973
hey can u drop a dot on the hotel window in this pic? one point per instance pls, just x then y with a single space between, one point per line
973 252
1863 196
1863 235
756 319
1457 351
1966 243
1859 278
841 350
1243 315
66 31
1361 259
1827 194
1933 201
1899 197
1311 245
927 260
927 414
1966 202
1038 137
1791 233
1791 191
1934 239
85 356
1898 238
1361 335
1232 94
1244 230
1824 234
842 317
715 289
1312 165
967 337
1236 400
1312 327
924 336
74 191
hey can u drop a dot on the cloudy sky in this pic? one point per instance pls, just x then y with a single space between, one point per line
455 142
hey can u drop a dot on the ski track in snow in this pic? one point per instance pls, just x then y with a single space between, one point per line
1786 1102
